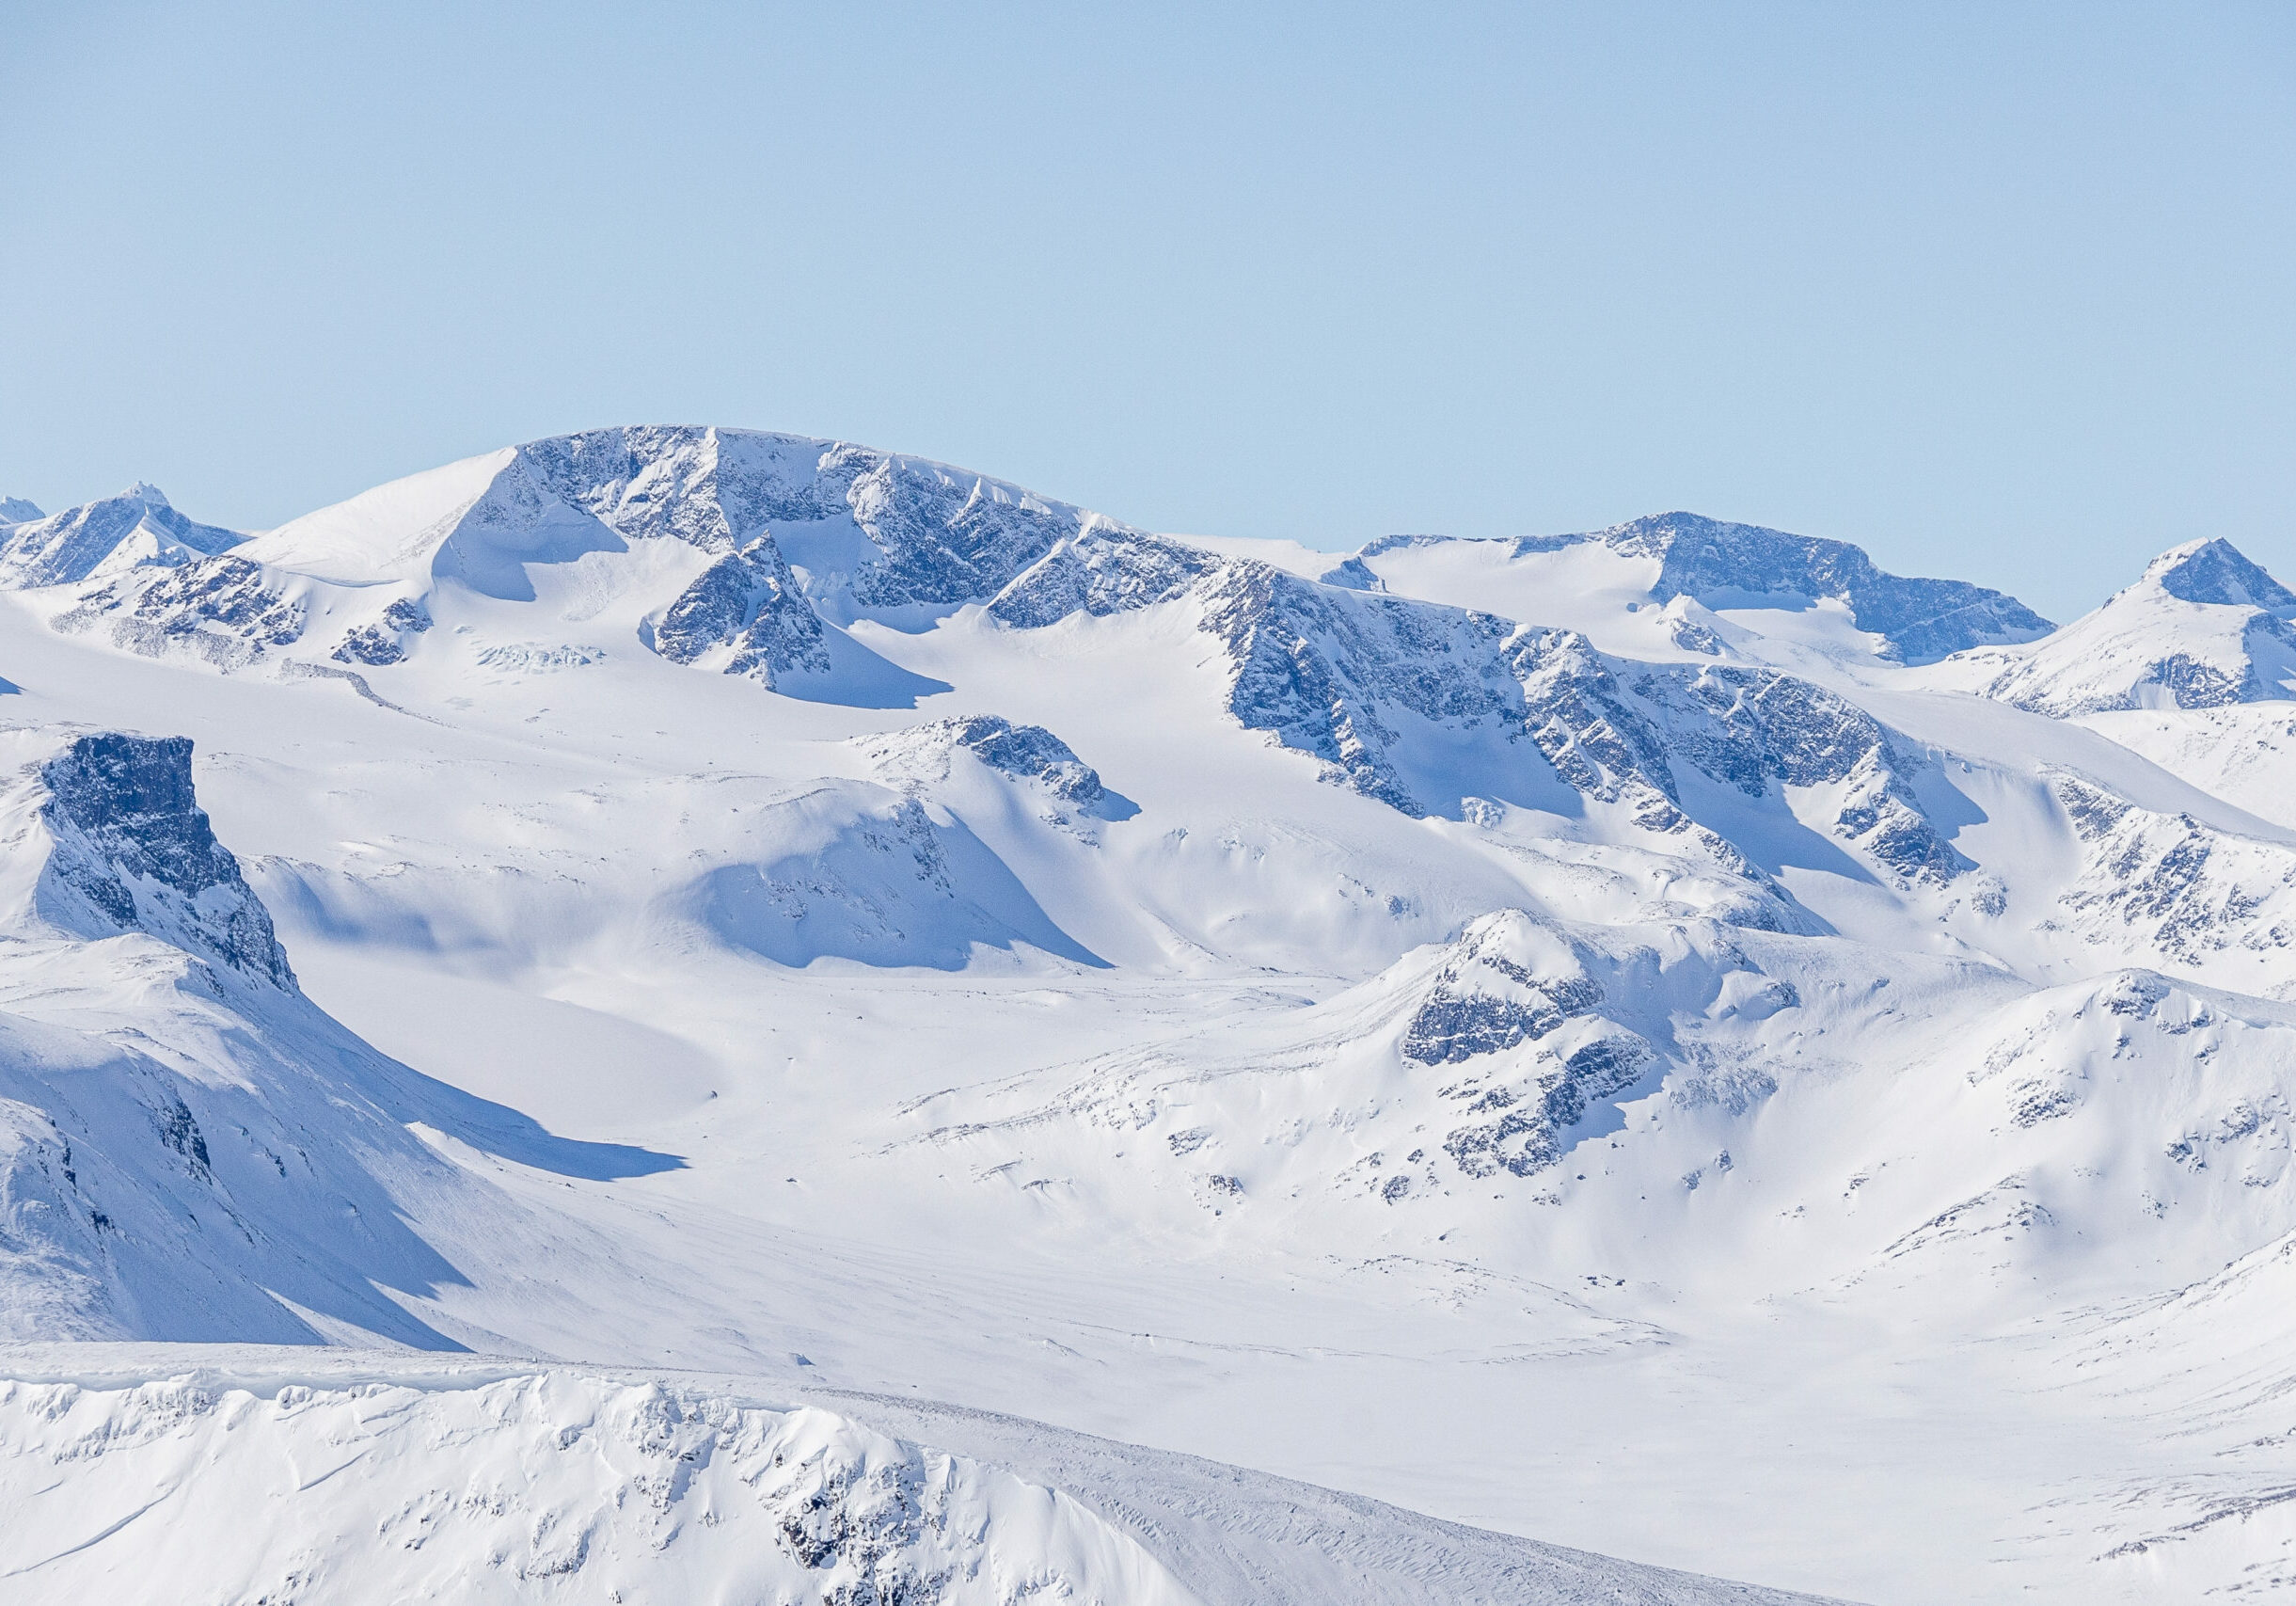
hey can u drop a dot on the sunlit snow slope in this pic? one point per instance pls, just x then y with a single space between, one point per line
1671 1040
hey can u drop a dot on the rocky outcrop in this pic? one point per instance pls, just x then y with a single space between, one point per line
1920 620
1327 671
2177 887
383 642
224 610
1507 981
746 609
1721 564
920 755
934 536
133 852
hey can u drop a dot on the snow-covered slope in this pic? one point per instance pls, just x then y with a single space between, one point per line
192 1150
1654 586
1671 1040
495 1482
2203 626
136 529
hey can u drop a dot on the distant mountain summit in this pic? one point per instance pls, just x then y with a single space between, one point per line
2202 628
1722 565
136 529
2216 573
1921 619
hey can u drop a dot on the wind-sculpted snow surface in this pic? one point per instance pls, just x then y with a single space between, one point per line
495 1482
546 1487
1590 1035
1490 1058
188 1148
876 879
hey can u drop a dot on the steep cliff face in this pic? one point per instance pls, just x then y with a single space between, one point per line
189 1148
132 851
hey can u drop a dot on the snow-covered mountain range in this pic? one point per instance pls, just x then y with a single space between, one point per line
1672 1042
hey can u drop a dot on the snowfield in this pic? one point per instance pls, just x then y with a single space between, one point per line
751 1018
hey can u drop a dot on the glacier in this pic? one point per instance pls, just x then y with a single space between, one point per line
676 1010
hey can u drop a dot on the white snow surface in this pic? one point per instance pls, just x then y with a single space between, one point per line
370 1476
1670 1043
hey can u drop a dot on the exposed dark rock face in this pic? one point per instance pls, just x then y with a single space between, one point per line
1922 620
1026 753
1589 729
1528 1136
1112 571
1748 728
1342 675
1326 672
748 599
383 641
1711 559
2191 890
1485 1003
221 609
2219 573
67 547
134 844
942 536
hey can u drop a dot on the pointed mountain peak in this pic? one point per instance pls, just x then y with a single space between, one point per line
146 493
2216 572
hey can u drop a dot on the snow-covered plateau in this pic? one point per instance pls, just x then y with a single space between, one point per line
688 1015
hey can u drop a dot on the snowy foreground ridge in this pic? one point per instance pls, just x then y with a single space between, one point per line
691 1014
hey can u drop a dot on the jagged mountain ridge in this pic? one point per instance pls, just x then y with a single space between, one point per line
1361 681
1721 564
1107 923
136 529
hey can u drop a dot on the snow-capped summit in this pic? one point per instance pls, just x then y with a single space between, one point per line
16 510
1148 980
2216 572
2202 626
1921 619
1593 581
136 529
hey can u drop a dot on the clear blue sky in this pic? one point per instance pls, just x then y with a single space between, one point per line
1997 290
